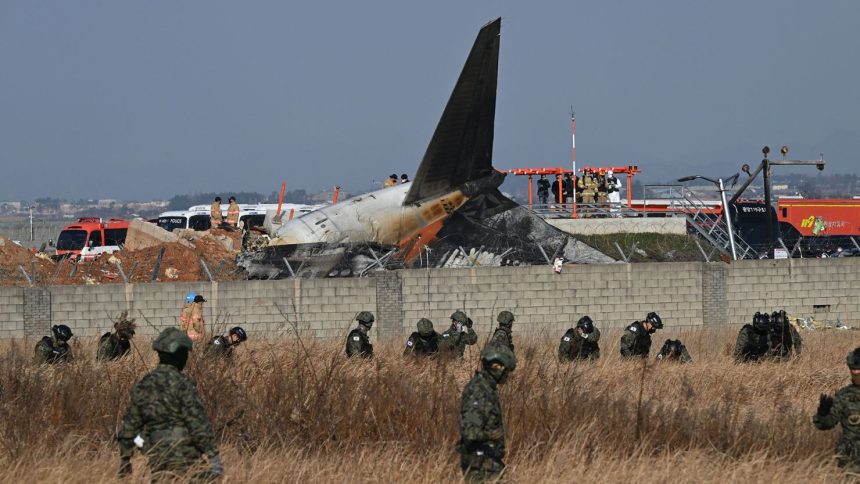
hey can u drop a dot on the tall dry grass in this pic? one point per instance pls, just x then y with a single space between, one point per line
282 415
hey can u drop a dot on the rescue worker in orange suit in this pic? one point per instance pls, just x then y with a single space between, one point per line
191 318
185 312
215 217
391 181
233 213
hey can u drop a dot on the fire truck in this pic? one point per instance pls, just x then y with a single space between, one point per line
91 236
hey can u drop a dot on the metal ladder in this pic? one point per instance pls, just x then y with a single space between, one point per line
712 227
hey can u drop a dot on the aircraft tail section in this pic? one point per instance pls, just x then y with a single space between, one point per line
461 149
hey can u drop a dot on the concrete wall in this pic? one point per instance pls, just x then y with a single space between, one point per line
603 226
688 294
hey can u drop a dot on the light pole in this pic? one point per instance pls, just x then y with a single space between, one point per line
726 211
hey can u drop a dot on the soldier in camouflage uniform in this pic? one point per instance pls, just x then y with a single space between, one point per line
357 341
636 340
455 338
502 335
424 342
482 434
674 350
165 417
113 346
580 342
753 343
54 349
223 346
844 409
784 338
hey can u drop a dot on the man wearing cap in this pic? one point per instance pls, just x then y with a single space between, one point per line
166 419
503 334
357 341
196 328
404 178
460 334
844 409
113 346
424 342
391 181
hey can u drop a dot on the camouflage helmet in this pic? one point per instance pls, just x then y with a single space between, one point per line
171 340
853 359
505 318
672 347
501 354
459 316
62 332
425 327
365 317
654 319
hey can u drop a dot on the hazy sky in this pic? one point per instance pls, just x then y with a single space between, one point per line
146 99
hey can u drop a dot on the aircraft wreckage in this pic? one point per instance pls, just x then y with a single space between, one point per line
451 214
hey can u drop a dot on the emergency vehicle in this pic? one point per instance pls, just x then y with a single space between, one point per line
91 236
251 215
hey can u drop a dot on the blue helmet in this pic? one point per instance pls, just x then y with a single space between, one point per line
189 298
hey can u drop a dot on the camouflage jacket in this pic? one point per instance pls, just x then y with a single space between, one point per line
358 344
482 436
665 355
503 336
219 347
751 345
635 341
50 350
574 346
418 345
455 341
783 340
845 411
111 347
165 410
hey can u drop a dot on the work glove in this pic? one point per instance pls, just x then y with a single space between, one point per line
825 403
496 434
124 467
217 468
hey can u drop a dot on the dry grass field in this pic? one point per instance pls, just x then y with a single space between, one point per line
297 411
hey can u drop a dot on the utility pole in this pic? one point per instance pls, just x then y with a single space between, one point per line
31 223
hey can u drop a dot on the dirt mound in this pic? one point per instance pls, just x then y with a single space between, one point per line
180 262
12 255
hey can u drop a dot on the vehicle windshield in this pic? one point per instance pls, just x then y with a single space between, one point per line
71 240
171 223
253 220
200 222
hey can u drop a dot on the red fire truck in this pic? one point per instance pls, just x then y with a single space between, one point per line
91 236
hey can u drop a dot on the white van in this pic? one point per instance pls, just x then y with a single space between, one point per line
250 215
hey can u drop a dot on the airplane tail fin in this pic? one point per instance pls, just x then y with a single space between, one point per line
461 149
